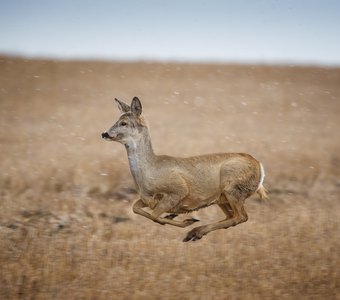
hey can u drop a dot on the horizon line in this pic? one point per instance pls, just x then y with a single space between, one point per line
145 59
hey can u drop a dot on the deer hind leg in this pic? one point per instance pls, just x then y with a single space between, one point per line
163 206
225 206
236 216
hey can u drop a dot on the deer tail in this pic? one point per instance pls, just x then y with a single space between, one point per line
262 192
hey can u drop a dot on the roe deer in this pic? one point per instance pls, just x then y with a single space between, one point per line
180 185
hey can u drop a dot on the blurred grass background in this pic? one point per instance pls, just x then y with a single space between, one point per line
66 226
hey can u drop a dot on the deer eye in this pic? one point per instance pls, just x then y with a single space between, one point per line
123 124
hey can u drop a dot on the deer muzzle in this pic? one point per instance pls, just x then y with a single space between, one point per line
106 136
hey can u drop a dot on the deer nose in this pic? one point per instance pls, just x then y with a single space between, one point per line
105 135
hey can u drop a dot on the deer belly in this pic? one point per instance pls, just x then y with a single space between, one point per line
191 203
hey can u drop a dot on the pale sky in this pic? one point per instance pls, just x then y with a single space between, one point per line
286 31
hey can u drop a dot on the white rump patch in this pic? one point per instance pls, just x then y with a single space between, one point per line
262 175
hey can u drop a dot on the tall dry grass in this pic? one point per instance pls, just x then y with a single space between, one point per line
66 226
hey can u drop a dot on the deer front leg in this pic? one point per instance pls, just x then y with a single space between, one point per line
168 203
137 209
163 206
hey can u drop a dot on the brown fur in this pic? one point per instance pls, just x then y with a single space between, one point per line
180 185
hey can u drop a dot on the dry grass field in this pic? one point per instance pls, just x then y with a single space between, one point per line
66 226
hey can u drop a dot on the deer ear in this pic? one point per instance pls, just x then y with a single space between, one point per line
123 107
136 106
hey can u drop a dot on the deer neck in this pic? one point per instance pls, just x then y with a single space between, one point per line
141 156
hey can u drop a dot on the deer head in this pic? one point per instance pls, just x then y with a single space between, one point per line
129 125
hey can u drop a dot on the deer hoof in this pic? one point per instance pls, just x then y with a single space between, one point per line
171 216
194 234
190 221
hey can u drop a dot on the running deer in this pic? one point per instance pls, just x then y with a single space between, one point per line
171 185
